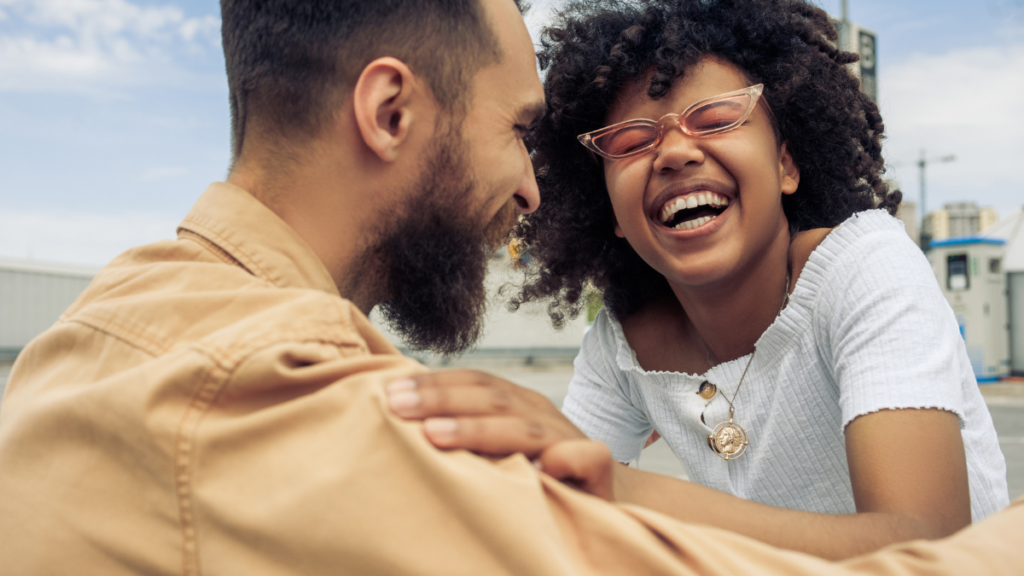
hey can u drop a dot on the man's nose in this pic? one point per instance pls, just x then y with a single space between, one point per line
528 194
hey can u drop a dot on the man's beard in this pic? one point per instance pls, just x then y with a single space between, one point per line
435 256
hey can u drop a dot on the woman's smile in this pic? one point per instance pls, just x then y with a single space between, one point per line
691 208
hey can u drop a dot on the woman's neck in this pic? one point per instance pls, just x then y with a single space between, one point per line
729 316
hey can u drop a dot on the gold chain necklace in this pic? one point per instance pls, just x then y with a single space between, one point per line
729 439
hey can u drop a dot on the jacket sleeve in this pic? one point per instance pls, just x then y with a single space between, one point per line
299 468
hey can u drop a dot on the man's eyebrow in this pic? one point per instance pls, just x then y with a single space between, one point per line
531 113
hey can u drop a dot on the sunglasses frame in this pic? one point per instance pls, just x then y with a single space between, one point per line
679 119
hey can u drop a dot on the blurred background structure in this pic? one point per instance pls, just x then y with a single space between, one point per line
32 297
958 219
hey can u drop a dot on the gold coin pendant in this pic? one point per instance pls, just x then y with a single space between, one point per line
728 440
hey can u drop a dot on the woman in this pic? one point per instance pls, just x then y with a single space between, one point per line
713 169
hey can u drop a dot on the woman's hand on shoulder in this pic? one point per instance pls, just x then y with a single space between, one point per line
488 415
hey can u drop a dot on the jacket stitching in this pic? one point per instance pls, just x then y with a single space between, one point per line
130 336
185 453
216 251
337 332
218 239
184 464
229 359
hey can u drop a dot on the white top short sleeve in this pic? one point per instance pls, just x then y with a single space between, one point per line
866 329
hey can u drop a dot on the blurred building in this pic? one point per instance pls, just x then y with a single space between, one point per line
859 40
32 297
959 219
907 214
982 277
1011 230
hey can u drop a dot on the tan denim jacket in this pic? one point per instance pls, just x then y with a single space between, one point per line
211 405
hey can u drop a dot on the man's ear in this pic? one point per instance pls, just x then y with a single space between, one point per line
381 101
789 172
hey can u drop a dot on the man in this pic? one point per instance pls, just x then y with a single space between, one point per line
216 404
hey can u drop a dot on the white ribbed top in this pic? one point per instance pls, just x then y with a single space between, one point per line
866 328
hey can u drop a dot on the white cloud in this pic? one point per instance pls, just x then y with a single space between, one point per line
88 239
967 103
208 26
94 45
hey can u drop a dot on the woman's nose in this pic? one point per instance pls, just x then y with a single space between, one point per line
676 149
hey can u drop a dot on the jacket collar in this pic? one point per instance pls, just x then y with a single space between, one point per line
257 239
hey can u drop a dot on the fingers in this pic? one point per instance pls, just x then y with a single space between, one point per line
462 393
408 400
479 412
466 379
495 436
585 464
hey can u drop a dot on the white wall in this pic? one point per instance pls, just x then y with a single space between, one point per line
5 369
33 296
1015 281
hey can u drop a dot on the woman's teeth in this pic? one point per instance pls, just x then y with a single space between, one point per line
709 199
693 210
694 223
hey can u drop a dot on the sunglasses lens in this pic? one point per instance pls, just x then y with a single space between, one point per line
626 139
717 115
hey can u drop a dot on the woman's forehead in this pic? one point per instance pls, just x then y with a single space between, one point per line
709 77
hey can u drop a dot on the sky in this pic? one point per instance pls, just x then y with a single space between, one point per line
114 114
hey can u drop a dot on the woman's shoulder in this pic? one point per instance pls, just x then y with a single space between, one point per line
870 232
603 342
872 242
801 246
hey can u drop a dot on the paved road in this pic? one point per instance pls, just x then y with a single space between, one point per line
1009 421
1005 402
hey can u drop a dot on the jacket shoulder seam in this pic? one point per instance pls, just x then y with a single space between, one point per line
119 331
185 462
225 364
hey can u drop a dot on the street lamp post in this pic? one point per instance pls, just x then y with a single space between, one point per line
844 29
922 165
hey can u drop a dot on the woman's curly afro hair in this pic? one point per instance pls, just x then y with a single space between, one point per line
597 47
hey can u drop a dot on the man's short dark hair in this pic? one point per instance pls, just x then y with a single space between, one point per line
290 63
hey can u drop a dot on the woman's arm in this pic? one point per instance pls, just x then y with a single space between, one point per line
909 478
907 467
908 471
